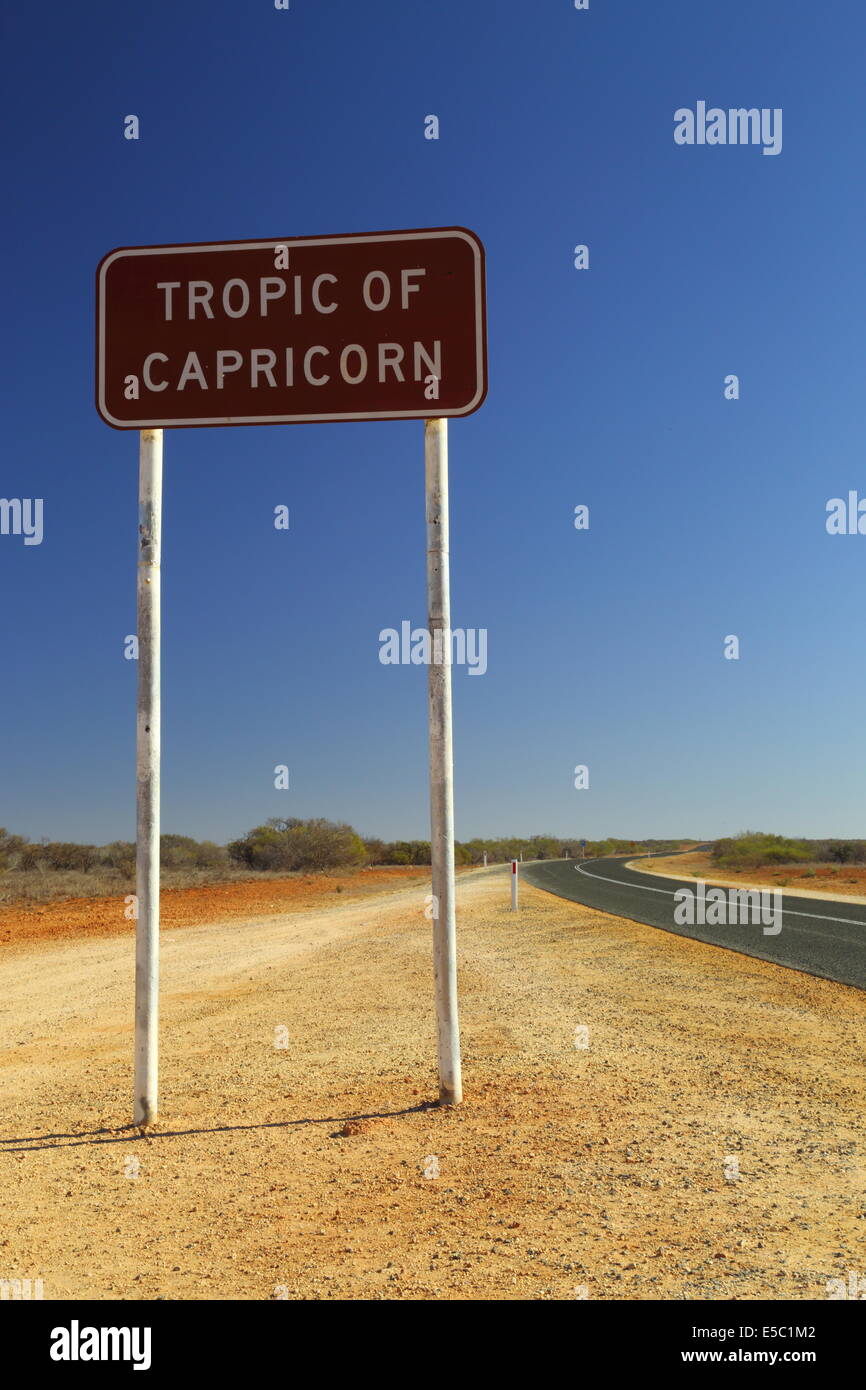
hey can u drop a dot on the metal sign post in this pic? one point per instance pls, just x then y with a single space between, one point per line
441 762
147 779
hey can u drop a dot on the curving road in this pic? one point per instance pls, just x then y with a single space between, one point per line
811 934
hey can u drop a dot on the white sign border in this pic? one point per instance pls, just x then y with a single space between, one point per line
430 234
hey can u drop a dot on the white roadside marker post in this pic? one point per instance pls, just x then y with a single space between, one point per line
514 885
441 762
147 779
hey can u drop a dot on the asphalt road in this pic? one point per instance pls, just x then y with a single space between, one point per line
811 934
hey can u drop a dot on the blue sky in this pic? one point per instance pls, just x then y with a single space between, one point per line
707 516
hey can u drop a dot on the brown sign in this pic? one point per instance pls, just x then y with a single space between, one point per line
379 326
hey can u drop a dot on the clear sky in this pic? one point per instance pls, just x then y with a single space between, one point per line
707 515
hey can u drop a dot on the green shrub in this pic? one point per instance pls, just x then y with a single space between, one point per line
293 844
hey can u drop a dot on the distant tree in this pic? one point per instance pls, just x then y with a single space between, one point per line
209 855
30 857
64 855
295 844
10 848
177 851
120 855
841 851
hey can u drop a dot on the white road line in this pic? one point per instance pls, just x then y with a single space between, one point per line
671 892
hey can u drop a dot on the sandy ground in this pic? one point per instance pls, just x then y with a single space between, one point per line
310 1170
845 884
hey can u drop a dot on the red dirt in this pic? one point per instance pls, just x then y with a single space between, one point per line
189 907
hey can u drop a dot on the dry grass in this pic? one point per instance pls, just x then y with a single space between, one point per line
50 885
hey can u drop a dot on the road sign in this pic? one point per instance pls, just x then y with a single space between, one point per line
379 326
375 326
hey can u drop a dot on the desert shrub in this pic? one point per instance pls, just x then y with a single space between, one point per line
60 854
258 849
177 851
120 855
210 856
30 857
844 852
294 844
785 854
406 852
543 847
183 852
397 852
754 848
11 847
